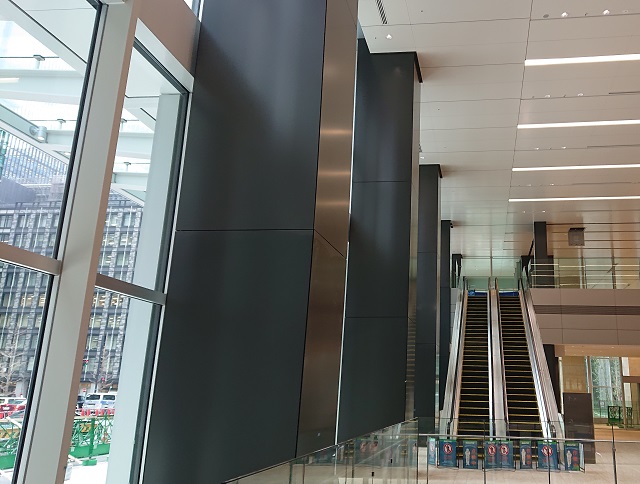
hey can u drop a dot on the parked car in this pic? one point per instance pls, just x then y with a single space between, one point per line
100 401
13 404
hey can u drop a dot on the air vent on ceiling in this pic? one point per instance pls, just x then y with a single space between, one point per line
383 14
613 146
625 92
576 237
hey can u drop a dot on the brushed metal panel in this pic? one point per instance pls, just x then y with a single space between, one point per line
252 146
323 344
336 127
232 339
372 394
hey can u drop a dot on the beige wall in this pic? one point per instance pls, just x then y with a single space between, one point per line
592 329
574 374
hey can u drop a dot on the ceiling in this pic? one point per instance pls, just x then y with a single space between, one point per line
477 90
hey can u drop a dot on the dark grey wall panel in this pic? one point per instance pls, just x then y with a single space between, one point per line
235 314
384 116
378 276
445 305
374 397
428 293
319 403
252 146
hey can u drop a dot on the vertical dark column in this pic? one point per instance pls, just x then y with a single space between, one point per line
372 391
543 274
428 295
554 371
253 323
445 305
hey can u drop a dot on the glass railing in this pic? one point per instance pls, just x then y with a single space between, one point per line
400 454
584 273
387 455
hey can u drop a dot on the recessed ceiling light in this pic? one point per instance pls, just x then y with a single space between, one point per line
580 94
575 167
544 211
9 80
564 147
565 14
580 124
547 96
573 199
537 149
581 60
389 36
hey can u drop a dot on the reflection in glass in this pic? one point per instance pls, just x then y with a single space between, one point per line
41 83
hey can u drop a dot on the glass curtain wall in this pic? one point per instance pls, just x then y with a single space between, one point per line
50 74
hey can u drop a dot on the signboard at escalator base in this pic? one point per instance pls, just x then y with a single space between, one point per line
447 453
469 454
572 456
526 455
547 455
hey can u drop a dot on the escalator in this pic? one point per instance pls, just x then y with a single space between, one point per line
522 403
473 408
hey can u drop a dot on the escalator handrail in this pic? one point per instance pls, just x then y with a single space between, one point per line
549 415
502 411
450 408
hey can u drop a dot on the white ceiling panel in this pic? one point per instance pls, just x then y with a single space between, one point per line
579 28
476 90
467 194
471 33
580 8
467 92
594 156
483 160
583 47
396 13
437 11
574 177
401 38
486 178
473 55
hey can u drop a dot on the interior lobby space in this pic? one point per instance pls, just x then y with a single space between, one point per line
319 241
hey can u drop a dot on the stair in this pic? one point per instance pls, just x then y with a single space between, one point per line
473 410
522 403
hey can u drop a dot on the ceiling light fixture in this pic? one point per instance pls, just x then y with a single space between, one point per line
575 167
9 80
580 124
389 36
581 60
606 12
573 199
565 14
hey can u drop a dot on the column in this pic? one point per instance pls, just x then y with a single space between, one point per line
377 315
445 306
544 272
428 296
249 351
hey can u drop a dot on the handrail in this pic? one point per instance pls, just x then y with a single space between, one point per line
541 375
454 374
340 444
497 370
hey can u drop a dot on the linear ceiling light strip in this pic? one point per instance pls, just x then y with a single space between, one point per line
581 60
574 167
580 124
574 199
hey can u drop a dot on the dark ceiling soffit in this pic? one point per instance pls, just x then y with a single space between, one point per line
419 72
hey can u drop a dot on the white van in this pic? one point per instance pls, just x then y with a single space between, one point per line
100 401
